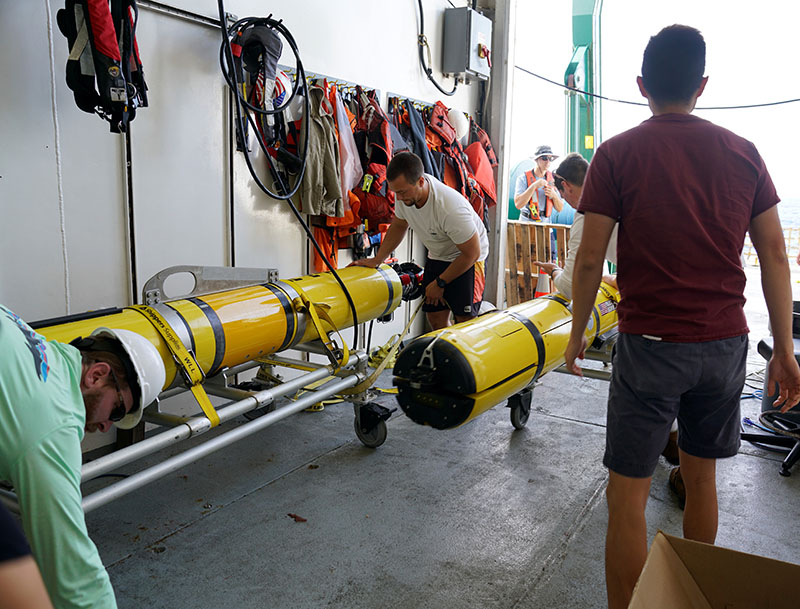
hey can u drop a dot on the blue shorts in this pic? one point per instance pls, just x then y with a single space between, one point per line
653 382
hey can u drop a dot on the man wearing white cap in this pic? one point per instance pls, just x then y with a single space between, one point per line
535 194
50 394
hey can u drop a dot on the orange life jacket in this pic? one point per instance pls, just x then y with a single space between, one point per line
533 204
457 173
481 168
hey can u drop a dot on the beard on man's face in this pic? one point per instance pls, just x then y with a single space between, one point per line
91 401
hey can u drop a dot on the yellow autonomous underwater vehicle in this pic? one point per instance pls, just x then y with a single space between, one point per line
227 328
448 377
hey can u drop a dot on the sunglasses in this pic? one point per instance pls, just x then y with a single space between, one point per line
547 158
119 412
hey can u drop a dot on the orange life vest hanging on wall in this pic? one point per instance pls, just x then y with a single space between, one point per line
456 172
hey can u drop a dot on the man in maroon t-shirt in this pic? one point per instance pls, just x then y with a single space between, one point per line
684 192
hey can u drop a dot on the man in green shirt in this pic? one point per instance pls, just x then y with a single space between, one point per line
50 393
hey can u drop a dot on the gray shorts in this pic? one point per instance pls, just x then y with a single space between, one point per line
653 382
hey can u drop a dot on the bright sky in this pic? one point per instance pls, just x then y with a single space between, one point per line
750 58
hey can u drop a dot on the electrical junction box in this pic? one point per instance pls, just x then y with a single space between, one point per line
467 44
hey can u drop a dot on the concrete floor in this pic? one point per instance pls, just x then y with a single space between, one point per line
477 517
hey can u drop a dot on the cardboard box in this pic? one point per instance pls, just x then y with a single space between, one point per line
687 574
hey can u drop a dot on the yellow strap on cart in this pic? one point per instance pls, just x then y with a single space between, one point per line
319 312
184 358
368 382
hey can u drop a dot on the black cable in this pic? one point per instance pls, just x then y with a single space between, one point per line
232 82
423 42
226 57
558 84
622 101
369 336
481 104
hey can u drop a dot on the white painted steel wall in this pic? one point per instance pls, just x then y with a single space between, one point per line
64 244
62 232
180 172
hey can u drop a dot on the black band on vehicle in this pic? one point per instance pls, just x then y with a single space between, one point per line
219 333
288 311
390 284
537 337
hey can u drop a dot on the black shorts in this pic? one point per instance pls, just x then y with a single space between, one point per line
653 382
12 542
463 294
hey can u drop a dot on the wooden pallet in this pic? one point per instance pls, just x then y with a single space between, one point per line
529 241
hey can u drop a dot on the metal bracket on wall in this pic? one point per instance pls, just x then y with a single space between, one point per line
207 280
344 86
174 11
418 103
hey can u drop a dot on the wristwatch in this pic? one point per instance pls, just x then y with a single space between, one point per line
441 282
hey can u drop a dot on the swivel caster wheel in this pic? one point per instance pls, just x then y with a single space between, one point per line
370 424
520 406
371 438
519 417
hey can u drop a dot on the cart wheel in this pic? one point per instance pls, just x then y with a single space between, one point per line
520 406
372 438
519 416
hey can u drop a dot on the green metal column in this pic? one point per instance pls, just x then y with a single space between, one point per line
583 111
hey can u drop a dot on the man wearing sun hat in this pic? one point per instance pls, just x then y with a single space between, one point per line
535 194
50 394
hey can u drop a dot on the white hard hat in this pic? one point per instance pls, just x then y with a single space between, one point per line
459 121
148 366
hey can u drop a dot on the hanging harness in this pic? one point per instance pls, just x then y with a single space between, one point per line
411 125
533 204
103 68
377 140
256 49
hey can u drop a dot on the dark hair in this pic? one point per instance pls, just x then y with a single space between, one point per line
101 349
673 64
406 164
573 169
90 357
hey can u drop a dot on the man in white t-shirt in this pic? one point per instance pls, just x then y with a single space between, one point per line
452 232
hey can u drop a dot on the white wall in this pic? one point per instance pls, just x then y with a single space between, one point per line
179 149
54 223
64 246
